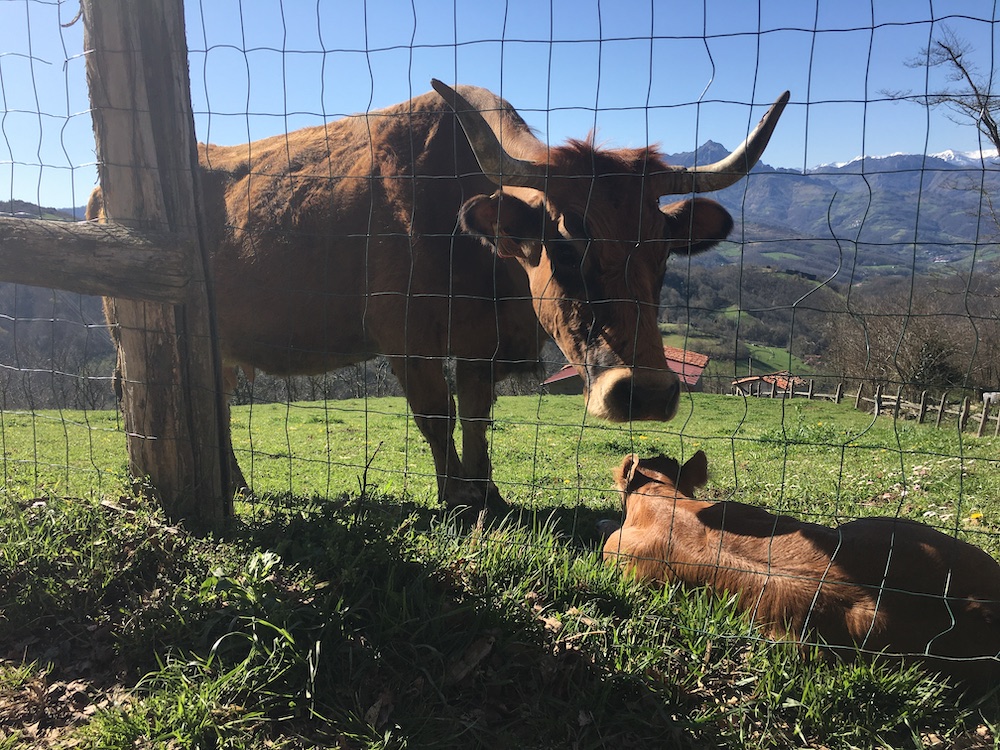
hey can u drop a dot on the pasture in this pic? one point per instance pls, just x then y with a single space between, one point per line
340 209
344 608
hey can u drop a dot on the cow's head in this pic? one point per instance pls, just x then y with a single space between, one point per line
588 228
659 476
634 473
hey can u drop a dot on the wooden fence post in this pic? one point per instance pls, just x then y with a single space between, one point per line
857 398
941 407
923 407
176 419
839 395
963 415
899 400
983 419
877 401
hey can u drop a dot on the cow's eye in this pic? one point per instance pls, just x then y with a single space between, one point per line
562 255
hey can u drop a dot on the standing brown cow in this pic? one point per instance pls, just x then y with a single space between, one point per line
885 585
336 243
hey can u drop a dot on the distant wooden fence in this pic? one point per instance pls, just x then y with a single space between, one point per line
941 410
802 389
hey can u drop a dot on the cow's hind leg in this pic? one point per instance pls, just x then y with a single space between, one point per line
476 395
433 408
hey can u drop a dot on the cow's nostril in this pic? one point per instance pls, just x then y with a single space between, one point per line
623 394
643 397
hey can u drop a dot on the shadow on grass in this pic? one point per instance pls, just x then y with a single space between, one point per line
428 643
373 623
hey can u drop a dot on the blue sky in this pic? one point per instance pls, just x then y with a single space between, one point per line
637 71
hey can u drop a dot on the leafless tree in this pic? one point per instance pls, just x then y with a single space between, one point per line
949 332
942 335
968 93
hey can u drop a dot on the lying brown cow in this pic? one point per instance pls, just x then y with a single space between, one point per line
879 584
386 233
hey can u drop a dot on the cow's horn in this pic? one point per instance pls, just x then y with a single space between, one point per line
497 164
730 170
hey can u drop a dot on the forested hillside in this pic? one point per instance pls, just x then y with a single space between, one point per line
882 269
938 329
54 346
879 269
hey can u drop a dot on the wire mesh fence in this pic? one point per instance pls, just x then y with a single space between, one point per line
371 271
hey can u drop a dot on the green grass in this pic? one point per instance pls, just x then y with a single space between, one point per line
325 617
804 456
683 338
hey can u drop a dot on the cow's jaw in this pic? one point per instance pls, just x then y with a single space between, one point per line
617 388
625 375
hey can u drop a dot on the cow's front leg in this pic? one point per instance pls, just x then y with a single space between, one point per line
433 409
230 379
475 383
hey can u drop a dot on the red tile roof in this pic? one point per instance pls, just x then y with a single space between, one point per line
686 364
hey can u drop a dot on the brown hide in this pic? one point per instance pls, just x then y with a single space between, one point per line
876 584
336 243
594 252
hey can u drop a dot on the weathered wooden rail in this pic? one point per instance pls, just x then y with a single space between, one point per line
149 260
940 409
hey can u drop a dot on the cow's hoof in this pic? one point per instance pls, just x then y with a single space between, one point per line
471 498
494 502
241 488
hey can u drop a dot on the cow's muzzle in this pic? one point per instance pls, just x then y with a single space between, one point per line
625 394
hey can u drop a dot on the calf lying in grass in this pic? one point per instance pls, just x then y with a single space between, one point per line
872 585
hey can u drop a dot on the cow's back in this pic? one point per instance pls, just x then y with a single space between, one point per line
926 592
337 242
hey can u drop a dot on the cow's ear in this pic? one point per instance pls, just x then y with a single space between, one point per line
694 473
625 473
636 472
95 205
695 225
507 223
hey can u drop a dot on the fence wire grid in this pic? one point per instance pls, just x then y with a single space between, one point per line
840 350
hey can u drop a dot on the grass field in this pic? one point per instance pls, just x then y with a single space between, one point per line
343 609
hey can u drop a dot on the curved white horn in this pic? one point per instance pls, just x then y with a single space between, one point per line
728 171
497 164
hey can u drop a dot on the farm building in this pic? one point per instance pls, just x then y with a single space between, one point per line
772 384
687 365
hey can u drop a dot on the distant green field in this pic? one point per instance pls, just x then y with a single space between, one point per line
810 457
777 256
691 341
773 359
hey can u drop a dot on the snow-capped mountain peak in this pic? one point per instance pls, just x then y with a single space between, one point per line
958 159
972 158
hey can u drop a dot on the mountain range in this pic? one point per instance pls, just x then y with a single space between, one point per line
891 215
846 224
895 214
